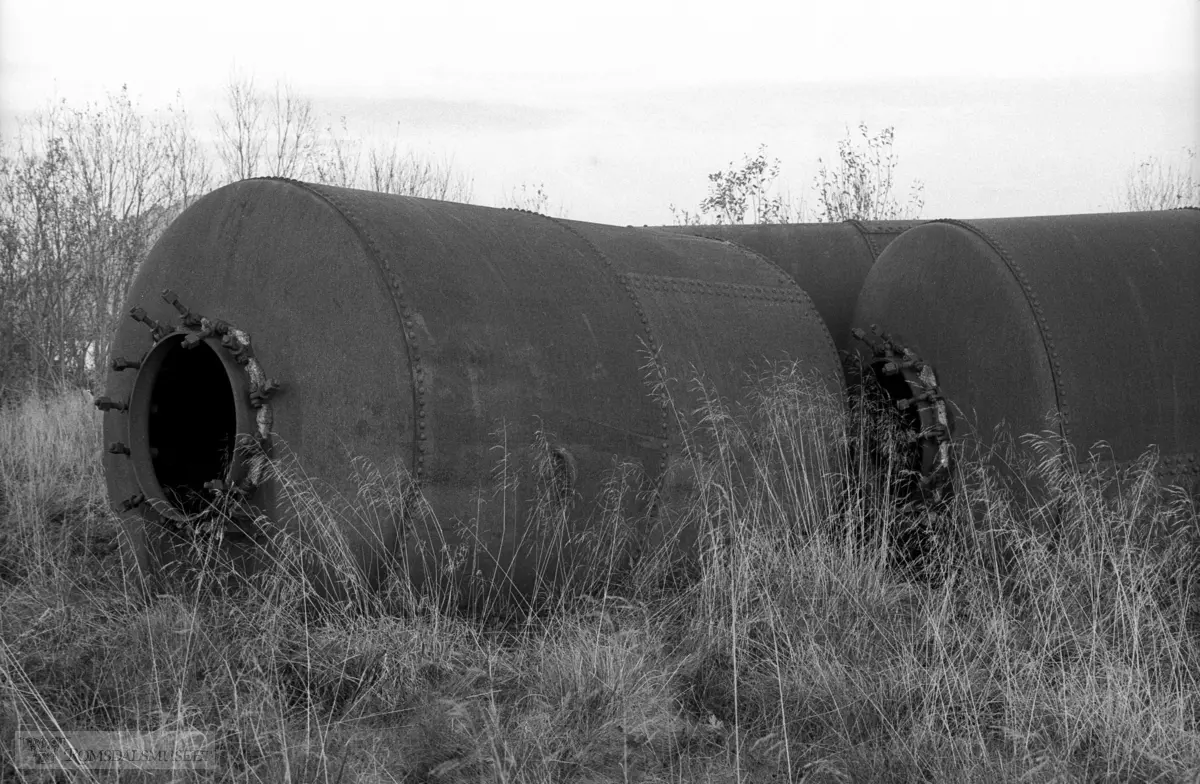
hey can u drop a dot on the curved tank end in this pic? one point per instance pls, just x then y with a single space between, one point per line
1081 324
257 290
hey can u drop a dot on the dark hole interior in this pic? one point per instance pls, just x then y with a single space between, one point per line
898 389
192 424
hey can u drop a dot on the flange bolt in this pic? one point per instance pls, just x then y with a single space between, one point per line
192 339
189 320
260 395
157 331
106 403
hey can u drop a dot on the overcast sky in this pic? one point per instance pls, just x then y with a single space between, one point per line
1007 108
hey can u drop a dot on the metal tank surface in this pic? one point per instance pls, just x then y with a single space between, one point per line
1093 319
460 345
829 261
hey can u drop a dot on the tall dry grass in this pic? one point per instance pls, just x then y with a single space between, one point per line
52 493
821 630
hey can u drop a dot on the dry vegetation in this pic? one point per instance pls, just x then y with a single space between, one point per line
1162 184
1034 641
795 646
85 192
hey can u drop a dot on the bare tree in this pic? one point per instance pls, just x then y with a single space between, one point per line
278 135
861 185
118 165
190 173
84 193
338 159
261 134
293 131
41 276
241 134
407 174
1155 184
14 347
347 161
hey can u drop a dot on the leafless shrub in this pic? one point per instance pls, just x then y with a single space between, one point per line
861 186
265 134
742 195
1156 184
405 173
532 197
84 193
277 134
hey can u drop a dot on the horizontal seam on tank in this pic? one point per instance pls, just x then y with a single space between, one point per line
810 310
740 290
416 367
1038 316
889 228
651 341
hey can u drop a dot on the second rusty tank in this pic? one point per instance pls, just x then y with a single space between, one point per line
1086 324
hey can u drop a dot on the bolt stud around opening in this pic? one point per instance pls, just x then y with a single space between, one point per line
189 319
118 448
106 403
261 394
121 363
180 464
157 330
193 339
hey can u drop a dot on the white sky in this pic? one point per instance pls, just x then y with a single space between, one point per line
1001 109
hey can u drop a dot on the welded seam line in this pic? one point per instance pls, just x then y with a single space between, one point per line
1038 315
691 285
416 367
808 312
866 237
651 340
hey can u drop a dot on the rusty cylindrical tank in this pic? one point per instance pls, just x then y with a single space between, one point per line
436 338
1092 318
829 261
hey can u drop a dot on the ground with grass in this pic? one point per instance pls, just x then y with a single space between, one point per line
1034 641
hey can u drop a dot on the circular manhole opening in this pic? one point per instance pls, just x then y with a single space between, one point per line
183 422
